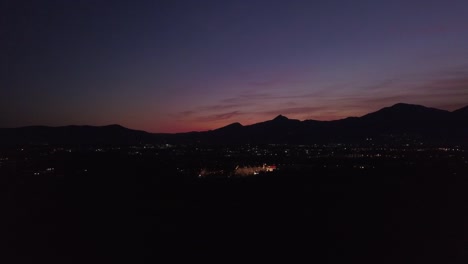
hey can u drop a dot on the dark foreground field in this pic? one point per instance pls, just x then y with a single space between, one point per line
137 211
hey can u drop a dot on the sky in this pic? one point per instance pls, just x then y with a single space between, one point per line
178 66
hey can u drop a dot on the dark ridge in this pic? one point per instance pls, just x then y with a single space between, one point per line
231 126
405 111
400 121
463 110
280 117
401 105
111 134
413 107
116 126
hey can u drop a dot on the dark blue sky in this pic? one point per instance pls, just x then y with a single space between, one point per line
167 66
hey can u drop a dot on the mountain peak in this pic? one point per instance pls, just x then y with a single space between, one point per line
413 108
280 117
404 105
404 111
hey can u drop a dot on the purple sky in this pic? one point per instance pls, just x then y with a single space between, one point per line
175 66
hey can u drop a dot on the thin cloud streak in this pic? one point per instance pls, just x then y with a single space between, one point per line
218 117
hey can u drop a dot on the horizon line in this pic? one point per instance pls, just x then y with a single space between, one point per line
197 131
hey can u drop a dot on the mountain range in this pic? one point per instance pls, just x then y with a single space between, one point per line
395 123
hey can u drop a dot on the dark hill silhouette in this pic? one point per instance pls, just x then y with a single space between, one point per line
400 121
400 112
397 121
462 111
411 119
233 126
111 134
280 118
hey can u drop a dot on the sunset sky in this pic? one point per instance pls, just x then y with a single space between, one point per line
176 66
